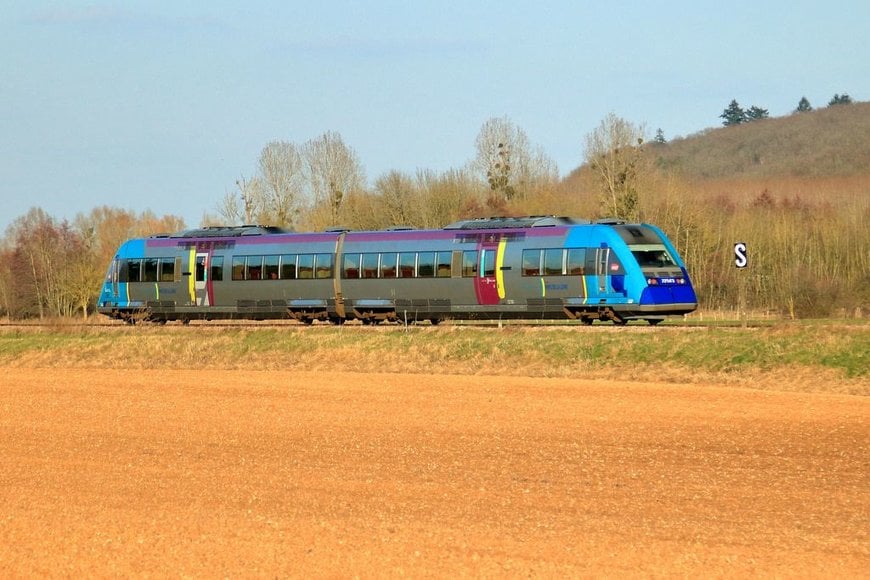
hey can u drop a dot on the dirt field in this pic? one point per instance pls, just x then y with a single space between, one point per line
200 473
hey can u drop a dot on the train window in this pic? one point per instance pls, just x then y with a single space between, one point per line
149 270
388 264
531 262
288 267
442 264
407 264
370 265
576 262
426 264
305 266
216 267
254 268
323 266
469 263
487 263
553 262
238 267
270 268
351 266
134 270
167 269
653 258
200 268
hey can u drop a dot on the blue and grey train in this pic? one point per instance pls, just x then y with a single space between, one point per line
493 268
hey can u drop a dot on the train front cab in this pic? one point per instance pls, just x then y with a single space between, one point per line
115 300
656 277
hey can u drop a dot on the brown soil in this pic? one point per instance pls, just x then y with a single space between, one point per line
207 473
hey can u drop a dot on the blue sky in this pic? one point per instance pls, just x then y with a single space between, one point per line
163 105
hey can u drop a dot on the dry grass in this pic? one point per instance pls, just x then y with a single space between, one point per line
822 357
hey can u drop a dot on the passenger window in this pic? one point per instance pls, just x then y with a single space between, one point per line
270 268
323 266
254 268
150 270
134 270
469 263
288 267
388 265
370 265
576 262
351 266
407 264
217 268
167 269
553 262
531 262
238 267
442 264
305 266
426 264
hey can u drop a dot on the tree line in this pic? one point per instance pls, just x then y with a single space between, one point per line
734 114
808 258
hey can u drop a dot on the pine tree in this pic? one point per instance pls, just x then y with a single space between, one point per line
843 99
733 115
756 113
803 106
660 137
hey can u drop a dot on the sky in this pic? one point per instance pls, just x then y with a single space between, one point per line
163 105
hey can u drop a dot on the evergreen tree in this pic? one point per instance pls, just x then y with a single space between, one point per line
843 99
755 113
660 137
733 115
803 106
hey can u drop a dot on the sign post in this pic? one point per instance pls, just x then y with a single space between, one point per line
741 260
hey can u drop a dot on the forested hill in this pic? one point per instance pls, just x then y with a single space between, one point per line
828 142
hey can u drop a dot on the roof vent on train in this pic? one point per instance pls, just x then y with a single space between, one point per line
535 221
229 231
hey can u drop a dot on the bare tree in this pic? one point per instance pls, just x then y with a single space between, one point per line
614 152
333 171
282 182
246 204
398 194
507 161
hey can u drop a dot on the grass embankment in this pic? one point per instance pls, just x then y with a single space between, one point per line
831 357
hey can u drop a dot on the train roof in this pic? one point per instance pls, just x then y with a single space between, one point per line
225 232
498 223
489 223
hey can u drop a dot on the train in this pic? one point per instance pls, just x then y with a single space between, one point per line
532 268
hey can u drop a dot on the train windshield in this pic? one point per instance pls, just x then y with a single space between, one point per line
652 256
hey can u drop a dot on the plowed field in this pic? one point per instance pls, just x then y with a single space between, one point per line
213 473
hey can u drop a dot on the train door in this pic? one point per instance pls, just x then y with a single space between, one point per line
606 266
602 256
486 284
200 279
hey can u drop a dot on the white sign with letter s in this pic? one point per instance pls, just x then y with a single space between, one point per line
740 259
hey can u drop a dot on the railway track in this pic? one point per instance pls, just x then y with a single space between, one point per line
387 326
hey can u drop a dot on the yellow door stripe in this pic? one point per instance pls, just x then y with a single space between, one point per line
499 262
192 268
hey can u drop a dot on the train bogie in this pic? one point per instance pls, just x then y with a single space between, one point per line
526 268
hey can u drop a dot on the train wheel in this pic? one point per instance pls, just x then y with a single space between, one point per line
586 321
653 321
434 321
